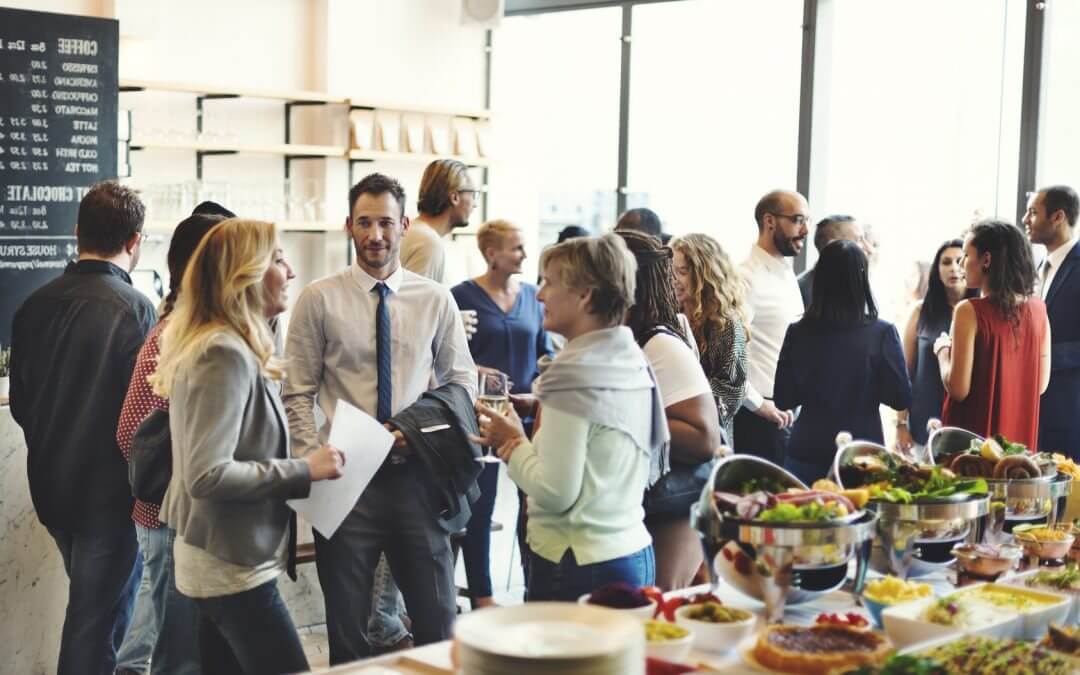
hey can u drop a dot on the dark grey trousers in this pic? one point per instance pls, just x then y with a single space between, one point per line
395 515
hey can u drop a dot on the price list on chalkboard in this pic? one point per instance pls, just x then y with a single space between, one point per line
58 109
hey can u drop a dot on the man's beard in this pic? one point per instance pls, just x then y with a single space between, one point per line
786 245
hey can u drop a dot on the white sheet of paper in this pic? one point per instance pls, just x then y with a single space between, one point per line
366 443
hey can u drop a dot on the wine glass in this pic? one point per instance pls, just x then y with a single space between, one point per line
495 394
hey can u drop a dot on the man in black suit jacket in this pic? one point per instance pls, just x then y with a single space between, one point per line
828 230
1051 220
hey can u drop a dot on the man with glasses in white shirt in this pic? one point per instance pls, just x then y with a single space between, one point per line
378 336
773 302
1051 221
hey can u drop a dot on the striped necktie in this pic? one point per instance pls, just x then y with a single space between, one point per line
382 354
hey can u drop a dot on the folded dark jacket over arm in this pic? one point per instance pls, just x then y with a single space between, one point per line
446 454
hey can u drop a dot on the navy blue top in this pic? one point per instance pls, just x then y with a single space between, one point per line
839 375
511 342
927 389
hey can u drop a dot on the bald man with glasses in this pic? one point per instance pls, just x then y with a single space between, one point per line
773 302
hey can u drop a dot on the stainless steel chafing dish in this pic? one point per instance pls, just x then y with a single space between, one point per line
917 538
1025 499
777 563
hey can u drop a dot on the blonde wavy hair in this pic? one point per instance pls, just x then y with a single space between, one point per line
717 289
222 292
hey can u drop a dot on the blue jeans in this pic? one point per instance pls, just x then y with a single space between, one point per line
385 627
249 632
104 568
566 580
476 549
164 625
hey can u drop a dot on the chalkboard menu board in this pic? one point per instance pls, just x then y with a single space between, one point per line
58 107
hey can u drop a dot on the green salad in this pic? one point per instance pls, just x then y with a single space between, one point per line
811 512
905 490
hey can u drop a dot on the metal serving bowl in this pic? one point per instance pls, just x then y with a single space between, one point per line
914 539
1025 499
777 563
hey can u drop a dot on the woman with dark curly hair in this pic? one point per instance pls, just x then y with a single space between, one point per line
996 363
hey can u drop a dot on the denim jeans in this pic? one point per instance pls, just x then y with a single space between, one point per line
165 621
249 632
567 581
385 627
104 568
476 549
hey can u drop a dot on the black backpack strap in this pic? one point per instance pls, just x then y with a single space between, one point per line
650 333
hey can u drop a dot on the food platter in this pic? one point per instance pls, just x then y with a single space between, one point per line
923 509
778 563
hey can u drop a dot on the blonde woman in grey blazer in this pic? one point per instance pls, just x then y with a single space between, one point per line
232 470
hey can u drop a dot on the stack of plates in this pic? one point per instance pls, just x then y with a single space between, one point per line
545 638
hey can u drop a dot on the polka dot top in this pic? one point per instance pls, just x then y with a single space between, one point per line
139 402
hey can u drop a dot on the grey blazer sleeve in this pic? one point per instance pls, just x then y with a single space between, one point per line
208 408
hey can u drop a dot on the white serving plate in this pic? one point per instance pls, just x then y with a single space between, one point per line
1021 580
904 627
551 637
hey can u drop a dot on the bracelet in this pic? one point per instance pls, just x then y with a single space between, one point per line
942 348
901 423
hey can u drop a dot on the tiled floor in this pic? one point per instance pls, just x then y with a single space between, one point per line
506 576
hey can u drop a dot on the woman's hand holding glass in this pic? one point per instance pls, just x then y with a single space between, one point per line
326 463
498 430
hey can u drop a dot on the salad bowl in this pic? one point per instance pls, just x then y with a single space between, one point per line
776 562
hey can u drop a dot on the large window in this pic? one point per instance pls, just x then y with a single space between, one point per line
555 104
714 112
917 121
1059 137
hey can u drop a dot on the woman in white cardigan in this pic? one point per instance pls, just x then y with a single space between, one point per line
602 434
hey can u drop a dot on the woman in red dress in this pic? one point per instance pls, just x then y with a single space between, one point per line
996 364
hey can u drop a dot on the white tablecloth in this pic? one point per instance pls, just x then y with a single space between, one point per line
438 655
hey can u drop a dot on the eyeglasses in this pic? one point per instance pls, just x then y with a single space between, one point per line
472 191
798 218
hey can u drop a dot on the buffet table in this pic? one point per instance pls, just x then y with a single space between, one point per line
435 659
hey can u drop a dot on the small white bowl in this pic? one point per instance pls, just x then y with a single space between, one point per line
716 637
644 612
904 626
671 650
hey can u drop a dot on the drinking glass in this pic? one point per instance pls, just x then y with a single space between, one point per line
495 394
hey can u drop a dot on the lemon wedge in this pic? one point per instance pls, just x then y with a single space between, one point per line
991 450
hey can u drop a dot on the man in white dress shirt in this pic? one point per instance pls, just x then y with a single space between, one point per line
378 336
773 302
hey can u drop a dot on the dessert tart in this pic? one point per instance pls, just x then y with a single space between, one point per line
819 649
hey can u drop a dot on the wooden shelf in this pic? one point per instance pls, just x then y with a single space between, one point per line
382 156
291 96
296 96
165 227
283 149
475 113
